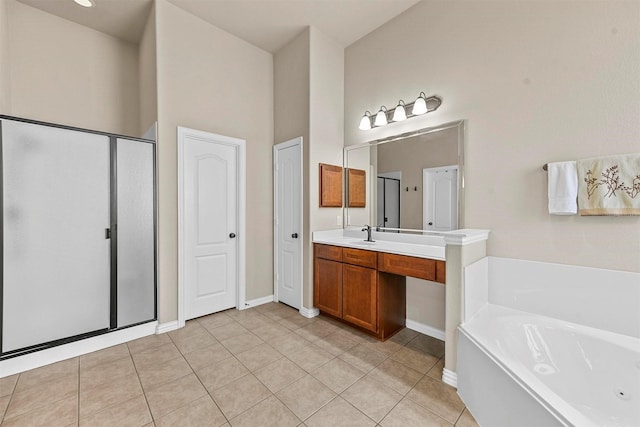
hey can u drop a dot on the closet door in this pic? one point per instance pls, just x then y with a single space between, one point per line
135 232
55 209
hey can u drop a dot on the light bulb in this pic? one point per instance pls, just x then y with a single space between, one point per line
365 122
399 114
420 106
84 3
381 117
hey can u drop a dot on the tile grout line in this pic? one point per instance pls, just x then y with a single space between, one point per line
78 411
13 390
197 377
144 394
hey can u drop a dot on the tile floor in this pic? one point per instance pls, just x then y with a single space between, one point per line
265 366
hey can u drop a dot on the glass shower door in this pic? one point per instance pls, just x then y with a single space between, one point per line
135 241
55 210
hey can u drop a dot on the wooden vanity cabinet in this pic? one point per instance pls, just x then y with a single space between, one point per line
360 296
348 286
327 279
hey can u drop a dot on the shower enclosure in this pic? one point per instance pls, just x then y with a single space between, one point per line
78 253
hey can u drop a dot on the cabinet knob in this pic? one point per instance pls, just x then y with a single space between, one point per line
294 235
232 235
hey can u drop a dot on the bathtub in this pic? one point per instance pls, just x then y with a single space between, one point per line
524 368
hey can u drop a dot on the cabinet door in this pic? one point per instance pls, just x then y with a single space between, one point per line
360 297
327 293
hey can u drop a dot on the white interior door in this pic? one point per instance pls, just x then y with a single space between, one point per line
288 221
209 222
440 198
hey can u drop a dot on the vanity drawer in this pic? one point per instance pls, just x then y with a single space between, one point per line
360 257
421 268
333 253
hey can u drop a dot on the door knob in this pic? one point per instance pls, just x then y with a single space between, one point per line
294 235
232 235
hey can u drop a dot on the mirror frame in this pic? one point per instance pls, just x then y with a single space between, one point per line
459 124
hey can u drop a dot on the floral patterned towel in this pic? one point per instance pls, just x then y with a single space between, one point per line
609 185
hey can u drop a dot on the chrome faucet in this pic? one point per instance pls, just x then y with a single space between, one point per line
367 228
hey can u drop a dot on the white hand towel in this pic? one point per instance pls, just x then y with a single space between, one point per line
563 188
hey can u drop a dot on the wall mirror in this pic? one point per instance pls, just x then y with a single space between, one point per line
414 181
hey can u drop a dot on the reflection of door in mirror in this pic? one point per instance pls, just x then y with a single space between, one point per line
440 198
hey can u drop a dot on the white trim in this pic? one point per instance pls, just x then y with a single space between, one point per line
74 349
465 236
440 168
240 144
290 143
393 175
309 312
425 329
167 327
450 377
258 301
152 132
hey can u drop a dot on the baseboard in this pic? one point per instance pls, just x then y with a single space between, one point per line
450 377
309 312
258 301
425 329
167 327
74 349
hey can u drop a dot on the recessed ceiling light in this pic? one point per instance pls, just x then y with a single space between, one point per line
84 3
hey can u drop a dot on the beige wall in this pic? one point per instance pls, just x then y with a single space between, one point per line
425 299
410 157
326 125
291 120
308 86
537 82
212 81
5 82
65 73
147 74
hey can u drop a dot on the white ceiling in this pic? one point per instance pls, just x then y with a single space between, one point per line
268 24
123 19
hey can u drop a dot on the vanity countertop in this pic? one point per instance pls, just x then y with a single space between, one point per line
427 245
422 246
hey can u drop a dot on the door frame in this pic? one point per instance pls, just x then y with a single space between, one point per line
290 143
240 145
424 199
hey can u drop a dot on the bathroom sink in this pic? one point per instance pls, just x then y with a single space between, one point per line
362 242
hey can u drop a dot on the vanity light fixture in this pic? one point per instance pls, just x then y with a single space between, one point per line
402 111
365 122
399 114
381 117
85 3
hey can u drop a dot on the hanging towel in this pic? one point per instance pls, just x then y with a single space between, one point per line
609 185
563 188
